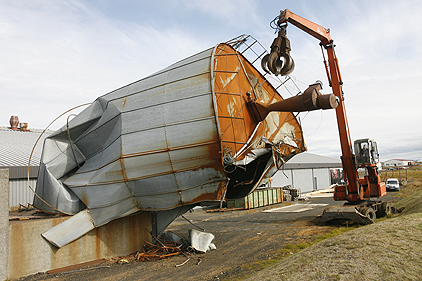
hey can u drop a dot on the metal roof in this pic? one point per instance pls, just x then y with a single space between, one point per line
16 147
308 160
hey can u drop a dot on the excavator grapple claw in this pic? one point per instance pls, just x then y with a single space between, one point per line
264 63
279 61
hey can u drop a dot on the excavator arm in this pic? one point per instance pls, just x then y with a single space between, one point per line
354 191
309 27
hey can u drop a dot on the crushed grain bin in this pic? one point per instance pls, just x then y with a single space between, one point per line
178 137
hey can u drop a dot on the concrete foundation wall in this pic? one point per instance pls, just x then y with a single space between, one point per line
24 251
4 222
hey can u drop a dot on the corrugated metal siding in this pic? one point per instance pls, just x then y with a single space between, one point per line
21 172
158 143
282 178
19 192
312 165
323 178
303 179
151 145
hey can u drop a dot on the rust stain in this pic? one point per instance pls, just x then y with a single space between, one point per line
150 152
123 170
221 190
124 102
204 197
16 249
98 242
107 241
84 197
108 238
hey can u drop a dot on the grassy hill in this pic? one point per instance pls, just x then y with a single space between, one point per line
390 249
412 201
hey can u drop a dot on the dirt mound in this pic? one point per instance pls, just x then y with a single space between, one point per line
388 250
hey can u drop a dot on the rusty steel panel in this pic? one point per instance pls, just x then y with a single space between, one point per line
234 77
243 139
175 138
19 193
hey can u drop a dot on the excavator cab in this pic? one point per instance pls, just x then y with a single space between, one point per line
366 152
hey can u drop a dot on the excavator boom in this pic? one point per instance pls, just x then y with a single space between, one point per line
356 191
309 27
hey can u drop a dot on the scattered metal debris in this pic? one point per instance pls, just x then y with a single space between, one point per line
27 207
295 193
157 252
183 263
169 244
30 214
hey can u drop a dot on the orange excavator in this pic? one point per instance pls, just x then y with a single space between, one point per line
356 191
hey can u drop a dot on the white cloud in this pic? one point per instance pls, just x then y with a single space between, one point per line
75 56
378 49
56 55
232 13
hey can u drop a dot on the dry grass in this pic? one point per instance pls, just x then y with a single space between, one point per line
410 174
412 196
287 251
388 250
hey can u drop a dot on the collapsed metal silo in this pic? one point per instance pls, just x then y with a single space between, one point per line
178 137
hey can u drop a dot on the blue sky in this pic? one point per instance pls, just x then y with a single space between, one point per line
58 54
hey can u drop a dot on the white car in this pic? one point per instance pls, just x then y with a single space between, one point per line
392 184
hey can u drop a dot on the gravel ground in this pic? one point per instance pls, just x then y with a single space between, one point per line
382 251
241 237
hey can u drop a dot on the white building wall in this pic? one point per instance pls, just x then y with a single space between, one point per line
323 178
282 178
302 178
19 192
306 179
395 162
